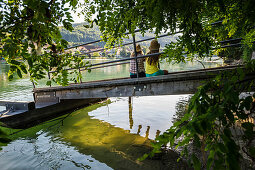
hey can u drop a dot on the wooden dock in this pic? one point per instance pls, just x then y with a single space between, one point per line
185 82
20 115
52 102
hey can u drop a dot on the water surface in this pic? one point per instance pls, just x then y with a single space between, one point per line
110 135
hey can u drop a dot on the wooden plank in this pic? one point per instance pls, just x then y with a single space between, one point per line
176 76
166 88
30 118
17 105
175 83
146 80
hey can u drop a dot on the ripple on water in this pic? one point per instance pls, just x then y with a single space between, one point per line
43 153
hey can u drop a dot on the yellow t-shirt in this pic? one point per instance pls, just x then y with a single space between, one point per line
150 69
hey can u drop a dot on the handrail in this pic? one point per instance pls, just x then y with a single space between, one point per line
107 66
109 63
130 43
114 61
137 30
93 42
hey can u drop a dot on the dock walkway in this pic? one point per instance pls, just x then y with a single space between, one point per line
184 82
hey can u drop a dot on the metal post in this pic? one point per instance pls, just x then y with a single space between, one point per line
33 84
136 62
49 77
33 92
79 72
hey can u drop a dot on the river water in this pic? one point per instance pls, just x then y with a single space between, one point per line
108 135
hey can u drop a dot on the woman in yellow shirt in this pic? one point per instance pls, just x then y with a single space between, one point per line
152 62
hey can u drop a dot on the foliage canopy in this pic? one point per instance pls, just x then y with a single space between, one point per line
27 26
216 110
193 18
29 33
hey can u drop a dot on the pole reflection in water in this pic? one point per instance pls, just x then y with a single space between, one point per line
139 129
136 113
131 122
147 132
157 133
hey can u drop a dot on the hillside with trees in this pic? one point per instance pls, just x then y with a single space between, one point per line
81 34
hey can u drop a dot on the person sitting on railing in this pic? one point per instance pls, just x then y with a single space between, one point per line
141 71
152 62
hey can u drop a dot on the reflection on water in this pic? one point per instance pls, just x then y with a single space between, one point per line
139 115
45 152
131 122
82 141
101 136
18 89
98 136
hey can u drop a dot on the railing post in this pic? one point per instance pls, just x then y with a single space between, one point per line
49 77
33 84
79 72
136 62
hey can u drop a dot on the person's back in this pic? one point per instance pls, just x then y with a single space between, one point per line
141 70
151 66
152 62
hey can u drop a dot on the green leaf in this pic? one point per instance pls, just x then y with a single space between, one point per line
14 62
252 151
48 83
30 63
210 160
10 77
196 162
23 68
5 140
19 73
222 147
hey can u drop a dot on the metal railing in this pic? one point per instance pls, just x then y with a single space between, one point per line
123 61
114 62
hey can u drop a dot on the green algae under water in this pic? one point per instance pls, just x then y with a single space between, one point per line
77 140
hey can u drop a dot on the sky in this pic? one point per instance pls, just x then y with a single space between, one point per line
76 18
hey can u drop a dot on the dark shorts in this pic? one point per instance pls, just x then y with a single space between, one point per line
141 74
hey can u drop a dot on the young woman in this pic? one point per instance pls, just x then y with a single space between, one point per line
133 71
152 62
